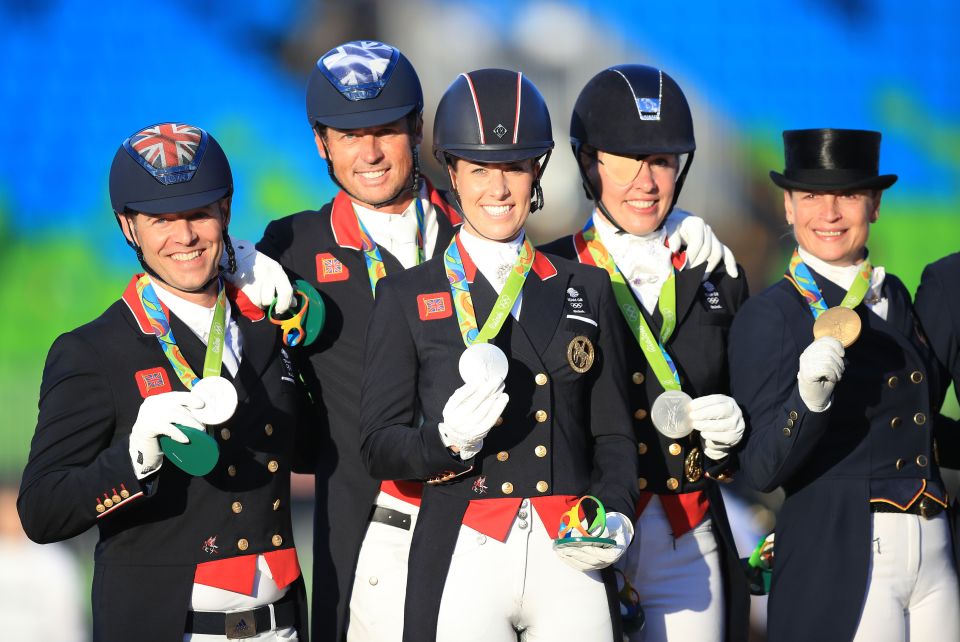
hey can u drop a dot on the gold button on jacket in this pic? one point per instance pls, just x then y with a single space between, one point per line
273 466
503 455
541 379
243 544
641 483
673 484
675 449
507 488
236 507
542 486
540 451
276 540
638 378
541 416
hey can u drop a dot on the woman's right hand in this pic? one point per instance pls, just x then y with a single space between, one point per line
821 366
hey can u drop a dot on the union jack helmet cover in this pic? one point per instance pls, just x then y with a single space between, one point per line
168 167
362 83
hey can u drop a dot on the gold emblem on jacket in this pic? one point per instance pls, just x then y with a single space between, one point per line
580 354
693 465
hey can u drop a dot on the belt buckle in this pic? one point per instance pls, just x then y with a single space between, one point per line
929 509
240 625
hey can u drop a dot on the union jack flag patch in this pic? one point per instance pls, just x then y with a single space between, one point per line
330 268
171 152
152 382
434 306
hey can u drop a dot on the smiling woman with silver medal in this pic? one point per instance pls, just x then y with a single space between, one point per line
632 135
841 394
494 374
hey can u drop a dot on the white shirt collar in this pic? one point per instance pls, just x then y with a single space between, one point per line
490 257
645 261
398 232
198 318
843 276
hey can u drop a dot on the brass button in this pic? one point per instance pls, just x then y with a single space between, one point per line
540 451
225 434
642 448
541 379
893 381
673 484
124 493
116 499
642 483
232 470
506 488
919 419
921 461
268 429
236 507
787 431
541 416
916 376
542 486
108 502
895 422
638 378
243 544
276 540
675 448
640 414
276 504
790 423
900 464
793 415
101 508
498 422
503 455
273 466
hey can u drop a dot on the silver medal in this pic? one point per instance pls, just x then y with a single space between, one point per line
483 362
669 414
219 400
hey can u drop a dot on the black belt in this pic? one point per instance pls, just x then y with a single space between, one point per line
243 624
926 508
390 517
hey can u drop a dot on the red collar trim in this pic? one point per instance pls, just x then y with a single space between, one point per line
542 266
346 229
237 298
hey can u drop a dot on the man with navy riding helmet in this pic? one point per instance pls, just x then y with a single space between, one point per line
364 107
632 136
494 373
195 535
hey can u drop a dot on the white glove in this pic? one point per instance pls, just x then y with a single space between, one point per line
587 557
683 228
469 415
821 366
260 278
156 417
719 421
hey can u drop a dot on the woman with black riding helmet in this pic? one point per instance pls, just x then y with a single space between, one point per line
495 374
632 135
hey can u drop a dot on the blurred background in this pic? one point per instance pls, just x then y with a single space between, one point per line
750 69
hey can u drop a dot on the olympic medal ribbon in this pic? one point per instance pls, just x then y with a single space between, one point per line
657 356
799 275
376 270
213 359
463 302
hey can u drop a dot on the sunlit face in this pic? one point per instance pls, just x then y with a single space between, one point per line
833 226
495 197
183 248
638 192
374 164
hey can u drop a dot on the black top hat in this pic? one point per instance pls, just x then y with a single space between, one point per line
832 159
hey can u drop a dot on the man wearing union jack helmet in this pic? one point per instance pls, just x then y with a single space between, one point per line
171 422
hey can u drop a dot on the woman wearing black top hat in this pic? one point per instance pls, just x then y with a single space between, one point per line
840 391
494 373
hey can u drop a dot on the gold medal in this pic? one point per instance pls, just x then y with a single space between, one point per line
580 354
693 465
843 324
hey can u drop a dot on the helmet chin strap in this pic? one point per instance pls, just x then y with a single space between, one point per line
536 202
228 248
592 195
413 188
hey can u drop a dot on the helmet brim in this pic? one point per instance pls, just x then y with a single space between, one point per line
365 119
507 154
181 203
